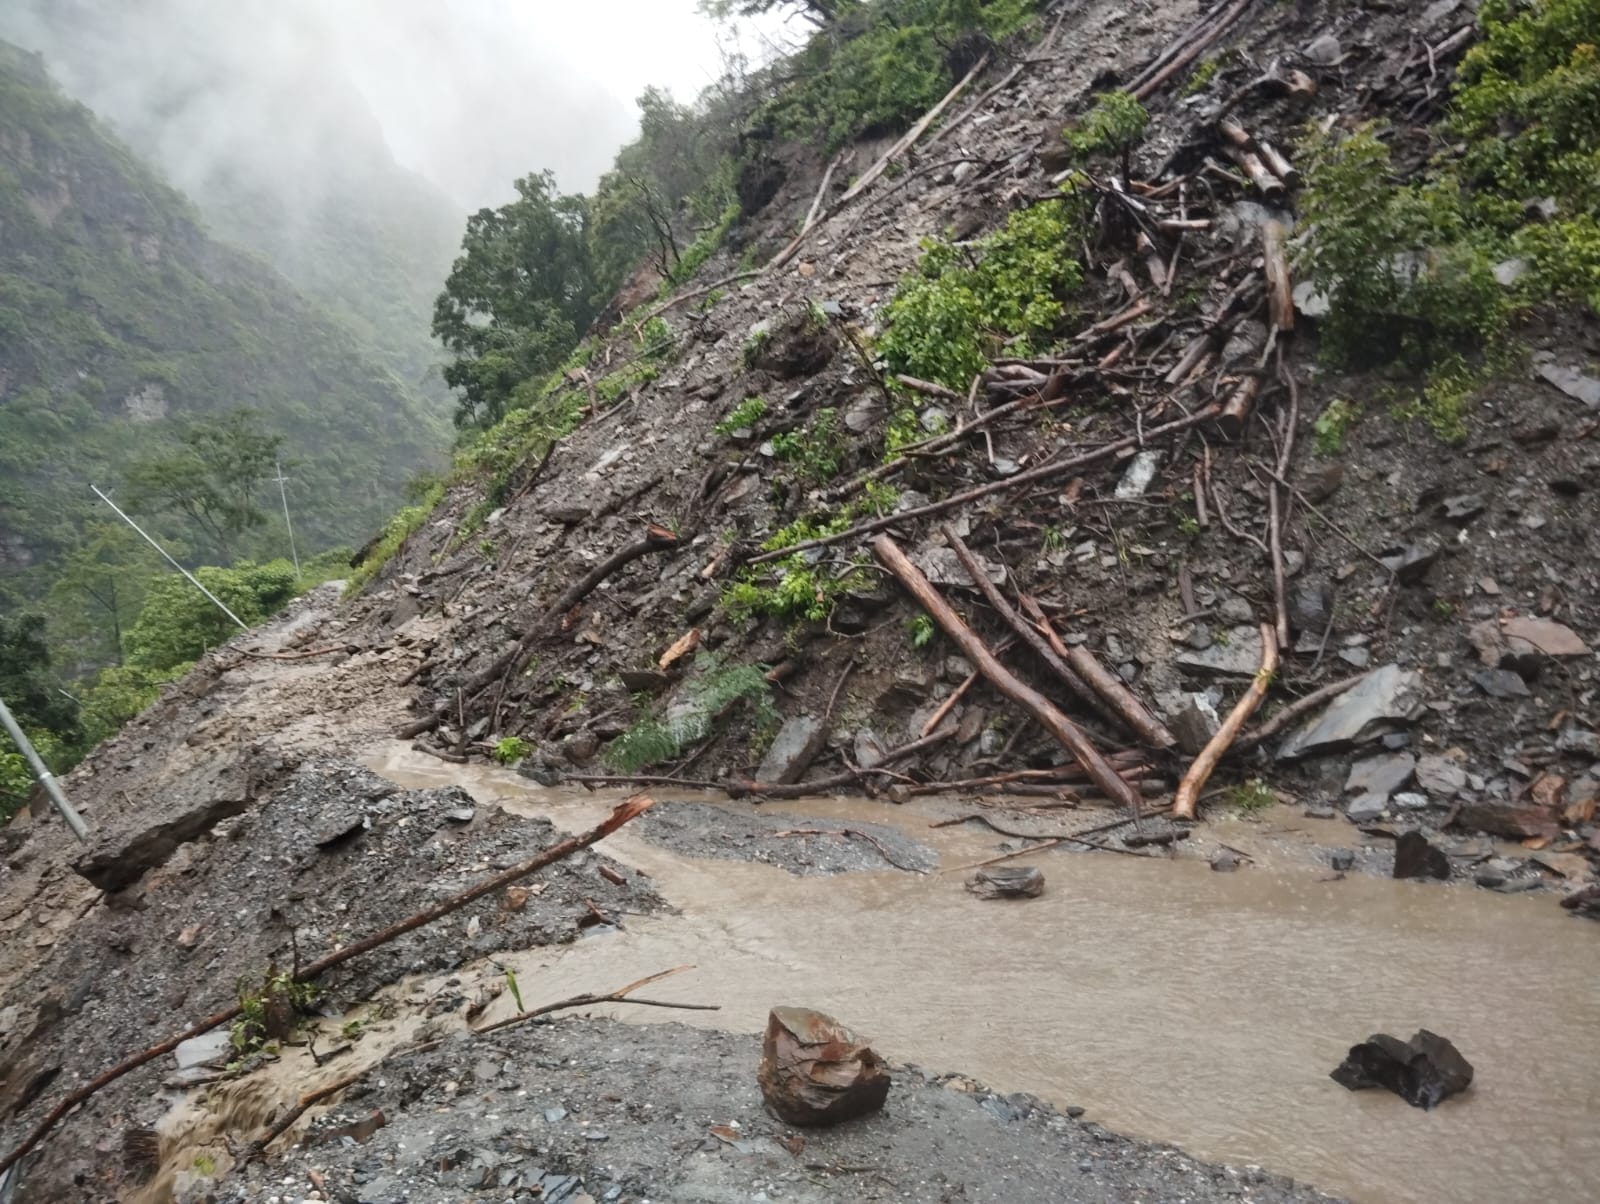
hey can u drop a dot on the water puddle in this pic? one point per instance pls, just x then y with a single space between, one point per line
1174 1003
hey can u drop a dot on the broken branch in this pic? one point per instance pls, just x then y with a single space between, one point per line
1049 716
1183 803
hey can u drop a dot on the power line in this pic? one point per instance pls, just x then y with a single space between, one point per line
243 626
284 497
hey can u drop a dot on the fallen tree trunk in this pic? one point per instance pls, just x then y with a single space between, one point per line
1030 636
1183 803
629 809
1127 705
1041 708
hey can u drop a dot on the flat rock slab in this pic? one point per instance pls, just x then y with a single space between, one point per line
1581 388
191 806
1235 652
1385 699
1376 778
940 566
793 749
1548 636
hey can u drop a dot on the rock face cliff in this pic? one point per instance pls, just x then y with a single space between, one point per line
119 314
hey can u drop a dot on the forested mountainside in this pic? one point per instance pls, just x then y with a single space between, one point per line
277 150
121 320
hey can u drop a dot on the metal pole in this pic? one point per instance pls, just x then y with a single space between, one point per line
284 497
243 626
42 772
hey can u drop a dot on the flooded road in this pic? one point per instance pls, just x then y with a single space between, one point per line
1173 1003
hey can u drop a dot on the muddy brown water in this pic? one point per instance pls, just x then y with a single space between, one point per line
1174 1003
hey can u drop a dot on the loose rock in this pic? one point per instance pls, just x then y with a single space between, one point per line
814 1071
1007 882
1422 1071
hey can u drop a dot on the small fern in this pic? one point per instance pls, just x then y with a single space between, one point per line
707 696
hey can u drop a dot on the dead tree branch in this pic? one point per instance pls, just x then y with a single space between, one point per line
1049 716
1183 803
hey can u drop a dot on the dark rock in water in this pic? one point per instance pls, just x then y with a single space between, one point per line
1414 857
1342 859
815 1071
1154 836
1422 1071
1225 862
1007 882
1585 902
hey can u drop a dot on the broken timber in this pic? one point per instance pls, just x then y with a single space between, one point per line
1041 708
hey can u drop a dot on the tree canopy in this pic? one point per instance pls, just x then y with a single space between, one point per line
211 476
518 298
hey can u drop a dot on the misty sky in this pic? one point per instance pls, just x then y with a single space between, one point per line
476 92
471 94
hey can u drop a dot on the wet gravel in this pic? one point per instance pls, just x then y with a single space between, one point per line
583 1110
800 846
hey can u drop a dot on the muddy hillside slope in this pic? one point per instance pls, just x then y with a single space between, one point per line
1127 551
1173 465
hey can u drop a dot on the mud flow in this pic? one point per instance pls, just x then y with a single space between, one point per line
1172 1002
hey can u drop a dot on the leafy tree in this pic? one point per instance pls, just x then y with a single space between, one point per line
99 587
818 12
518 297
25 678
210 477
177 623
48 716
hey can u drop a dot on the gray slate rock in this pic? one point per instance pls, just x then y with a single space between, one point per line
1501 683
1386 698
796 745
1238 654
1374 780
1442 777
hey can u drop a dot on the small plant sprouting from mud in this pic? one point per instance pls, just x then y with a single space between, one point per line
510 750
1252 796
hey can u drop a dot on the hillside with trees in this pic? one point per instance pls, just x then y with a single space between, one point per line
139 354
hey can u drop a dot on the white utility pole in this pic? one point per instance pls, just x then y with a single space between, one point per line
243 626
284 498
42 772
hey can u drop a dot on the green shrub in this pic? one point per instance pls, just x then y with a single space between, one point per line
400 528
743 416
816 451
510 750
1332 425
1408 275
1114 126
962 305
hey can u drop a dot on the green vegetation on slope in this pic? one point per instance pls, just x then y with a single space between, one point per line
1429 275
120 319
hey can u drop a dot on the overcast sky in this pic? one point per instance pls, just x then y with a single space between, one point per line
469 93
473 93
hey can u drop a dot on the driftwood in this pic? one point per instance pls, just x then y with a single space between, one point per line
1033 476
1189 47
1183 803
630 809
1124 702
1280 289
1296 709
622 995
1041 708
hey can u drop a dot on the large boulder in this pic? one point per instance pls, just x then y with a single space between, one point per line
815 1071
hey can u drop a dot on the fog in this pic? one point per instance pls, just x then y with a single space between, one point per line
470 94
